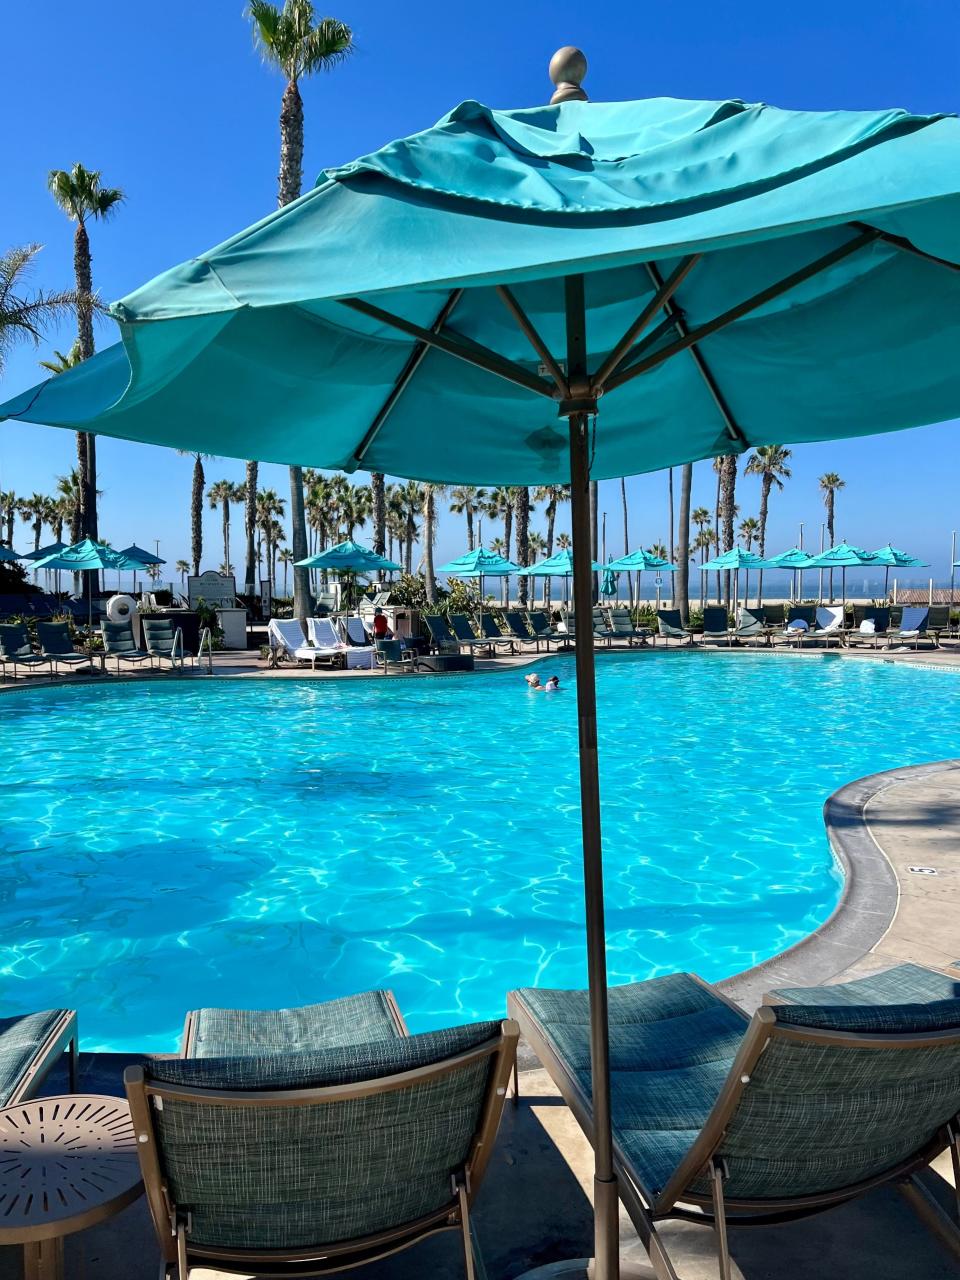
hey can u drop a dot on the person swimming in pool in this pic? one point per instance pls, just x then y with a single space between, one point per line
552 685
533 681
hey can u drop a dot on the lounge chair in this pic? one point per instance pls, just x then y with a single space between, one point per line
622 628
325 640
670 626
16 649
56 644
602 629
871 624
360 647
750 628
912 628
730 1121
829 628
938 622
164 641
519 630
774 615
464 633
118 642
716 625
392 653
801 618
304 1163
286 639
543 629
493 635
442 639
31 1045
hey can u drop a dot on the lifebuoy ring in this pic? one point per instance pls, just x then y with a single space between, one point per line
121 608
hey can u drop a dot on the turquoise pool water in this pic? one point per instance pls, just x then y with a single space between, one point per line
254 843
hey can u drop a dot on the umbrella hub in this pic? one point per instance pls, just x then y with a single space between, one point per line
568 66
582 398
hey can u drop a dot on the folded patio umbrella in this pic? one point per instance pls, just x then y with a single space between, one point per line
581 290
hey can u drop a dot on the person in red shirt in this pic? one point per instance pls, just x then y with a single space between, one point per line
381 628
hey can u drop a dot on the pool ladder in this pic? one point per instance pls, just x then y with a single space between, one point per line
206 639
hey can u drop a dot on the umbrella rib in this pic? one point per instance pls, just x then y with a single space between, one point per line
901 242
456 345
661 298
673 313
533 337
406 373
758 300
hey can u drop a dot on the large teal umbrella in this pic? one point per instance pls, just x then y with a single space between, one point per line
559 565
348 558
553 295
843 556
892 558
796 560
640 561
7 555
734 560
87 556
480 563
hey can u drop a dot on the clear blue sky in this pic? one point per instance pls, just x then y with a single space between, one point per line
174 106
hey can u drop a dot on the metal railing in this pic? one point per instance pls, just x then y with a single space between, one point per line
206 639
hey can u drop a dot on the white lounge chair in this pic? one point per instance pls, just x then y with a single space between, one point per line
327 639
286 635
829 626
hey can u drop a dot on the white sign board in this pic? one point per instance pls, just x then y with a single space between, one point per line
219 590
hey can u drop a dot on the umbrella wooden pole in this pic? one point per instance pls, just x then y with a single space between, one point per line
605 1191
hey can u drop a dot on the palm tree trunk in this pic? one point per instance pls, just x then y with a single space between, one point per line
765 486
291 144
250 528
196 514
468 512
683 541
507 536
551 521
429 578
595 533
225 509
379 491
302 599
830 498
716 528
729 474
670 544
522 509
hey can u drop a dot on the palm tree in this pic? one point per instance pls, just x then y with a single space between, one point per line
293 42
682 577
82 196
564 542
728 486
196 506
704 543
396 518
413 504
355 506
183 569
769 462
9 506
626 534
521 510
25 315
34 511
221 495
61 363
378 507
670 547
430 494
467 500
252 479
500 506
749 529
286 559
830 486
657 549
552 495
269 506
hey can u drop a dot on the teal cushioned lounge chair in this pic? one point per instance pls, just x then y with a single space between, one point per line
164 641
727 1120
492 633
31 1045
442 639
543 629
716 625
299 1164
118 643
56 644
670 626
16 649
519 630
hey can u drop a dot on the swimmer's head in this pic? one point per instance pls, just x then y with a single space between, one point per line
553 682
533 680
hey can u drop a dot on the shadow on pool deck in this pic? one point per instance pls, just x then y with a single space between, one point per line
534 1209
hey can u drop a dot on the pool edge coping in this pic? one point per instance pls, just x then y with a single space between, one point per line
868 901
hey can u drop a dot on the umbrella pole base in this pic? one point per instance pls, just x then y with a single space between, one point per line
582 1269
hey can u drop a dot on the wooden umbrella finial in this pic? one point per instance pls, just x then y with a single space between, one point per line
568 66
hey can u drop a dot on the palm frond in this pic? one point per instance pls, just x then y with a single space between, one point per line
329 43
80 193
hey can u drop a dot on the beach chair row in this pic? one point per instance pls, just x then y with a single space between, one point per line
162 643
799 625
341 643
303 1141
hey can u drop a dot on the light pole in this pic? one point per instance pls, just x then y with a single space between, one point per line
800 571
953 559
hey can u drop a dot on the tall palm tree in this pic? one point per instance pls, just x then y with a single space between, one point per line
34 511
26 315
564 542
769 462
749 529
552 495
378 509
657 549
521 512
431 492
183 568
286 559
81 195
413 503
296 44
670 546
196 506
830 486
269 506
9 506
468 501
728 488
221 495
682 576
68 491
500 507
355 506
251 481
704 543
396 519
626 534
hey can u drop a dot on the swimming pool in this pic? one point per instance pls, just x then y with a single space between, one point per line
169 844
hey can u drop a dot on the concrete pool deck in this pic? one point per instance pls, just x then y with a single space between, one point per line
900 833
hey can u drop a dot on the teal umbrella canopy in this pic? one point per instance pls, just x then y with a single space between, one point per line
795 558
735 558
86 557
642 562
892 558
7 555
843 556
144 558
480 563
348 557
51 549
813 250
559 565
